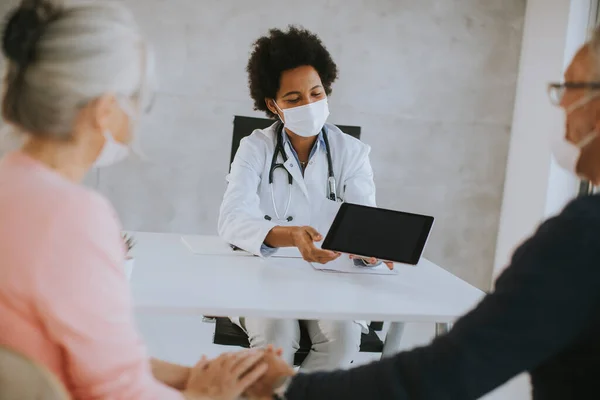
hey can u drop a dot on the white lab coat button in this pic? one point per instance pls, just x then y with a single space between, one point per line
311 163
291 165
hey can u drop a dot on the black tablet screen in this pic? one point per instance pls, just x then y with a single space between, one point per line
375 232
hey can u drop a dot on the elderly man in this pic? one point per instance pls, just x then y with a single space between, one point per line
544 315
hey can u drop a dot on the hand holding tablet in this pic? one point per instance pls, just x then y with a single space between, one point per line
372 261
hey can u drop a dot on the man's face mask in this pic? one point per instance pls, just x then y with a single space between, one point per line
567 153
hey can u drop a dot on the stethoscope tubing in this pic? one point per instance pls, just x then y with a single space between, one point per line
279 149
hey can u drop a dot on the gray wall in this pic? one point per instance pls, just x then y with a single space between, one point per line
430 81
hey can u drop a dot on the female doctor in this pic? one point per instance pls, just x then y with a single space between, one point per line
283 175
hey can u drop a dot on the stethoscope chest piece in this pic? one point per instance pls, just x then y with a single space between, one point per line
288 219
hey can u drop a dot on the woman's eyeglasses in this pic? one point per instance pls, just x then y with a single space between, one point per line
556 91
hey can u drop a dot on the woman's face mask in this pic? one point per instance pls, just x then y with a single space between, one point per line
114 151
308 120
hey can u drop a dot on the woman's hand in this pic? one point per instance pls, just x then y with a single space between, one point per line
278 371
170 374
371 261
226 377
304 238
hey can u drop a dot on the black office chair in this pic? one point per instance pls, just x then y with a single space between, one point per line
229 334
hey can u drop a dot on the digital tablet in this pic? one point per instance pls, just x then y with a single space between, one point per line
375 232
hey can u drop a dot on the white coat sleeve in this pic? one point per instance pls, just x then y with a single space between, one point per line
241 221
358 185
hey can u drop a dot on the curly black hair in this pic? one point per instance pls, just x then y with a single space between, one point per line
281 51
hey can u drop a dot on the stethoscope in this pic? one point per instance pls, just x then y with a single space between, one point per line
280 150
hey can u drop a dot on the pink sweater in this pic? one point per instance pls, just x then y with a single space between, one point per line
64 298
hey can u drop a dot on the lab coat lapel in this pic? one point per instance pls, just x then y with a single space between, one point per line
295 170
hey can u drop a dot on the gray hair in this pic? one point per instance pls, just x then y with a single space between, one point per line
61 57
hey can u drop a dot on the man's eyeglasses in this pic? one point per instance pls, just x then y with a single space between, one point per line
556 91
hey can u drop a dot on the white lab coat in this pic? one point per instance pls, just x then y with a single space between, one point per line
248 197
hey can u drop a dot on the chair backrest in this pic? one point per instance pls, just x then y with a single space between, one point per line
244 126
21 378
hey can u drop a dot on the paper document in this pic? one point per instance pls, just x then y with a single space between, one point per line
345 265
211 246
215 246
287 252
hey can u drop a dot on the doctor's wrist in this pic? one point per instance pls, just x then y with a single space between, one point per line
296 233
280 236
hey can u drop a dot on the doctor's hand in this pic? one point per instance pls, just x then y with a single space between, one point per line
304 238
371 261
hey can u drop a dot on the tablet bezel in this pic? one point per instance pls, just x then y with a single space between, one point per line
418 251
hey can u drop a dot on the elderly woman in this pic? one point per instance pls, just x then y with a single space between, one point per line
76 81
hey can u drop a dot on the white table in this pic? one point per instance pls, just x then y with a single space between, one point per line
169 278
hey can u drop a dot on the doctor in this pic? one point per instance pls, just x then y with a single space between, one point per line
283 175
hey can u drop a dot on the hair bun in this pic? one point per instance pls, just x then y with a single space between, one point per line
24 26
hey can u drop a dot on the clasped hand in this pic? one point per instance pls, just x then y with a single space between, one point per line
252 373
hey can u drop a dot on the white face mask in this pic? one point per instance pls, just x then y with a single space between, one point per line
565 152
308 120
112 152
